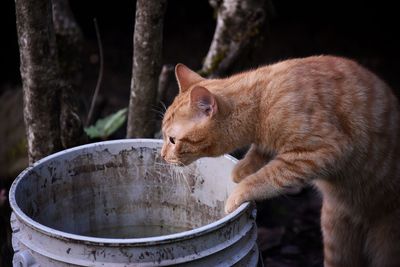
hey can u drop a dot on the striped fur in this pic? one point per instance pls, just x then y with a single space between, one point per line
320 120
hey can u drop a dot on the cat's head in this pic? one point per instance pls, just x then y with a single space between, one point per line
191 127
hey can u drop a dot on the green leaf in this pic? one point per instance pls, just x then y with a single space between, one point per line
105 127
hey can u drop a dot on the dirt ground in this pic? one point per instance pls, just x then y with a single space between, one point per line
289 232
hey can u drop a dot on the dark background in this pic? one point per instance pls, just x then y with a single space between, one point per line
365 31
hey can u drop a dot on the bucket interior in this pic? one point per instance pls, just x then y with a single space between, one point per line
123 190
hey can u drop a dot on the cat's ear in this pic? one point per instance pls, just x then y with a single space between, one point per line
186 77
203 100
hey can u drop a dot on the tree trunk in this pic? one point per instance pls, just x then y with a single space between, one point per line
164 80
69 47
238 24
39 73
147 46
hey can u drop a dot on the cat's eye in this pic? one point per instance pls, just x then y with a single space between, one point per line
172 140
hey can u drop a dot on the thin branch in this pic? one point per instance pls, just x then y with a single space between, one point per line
100 77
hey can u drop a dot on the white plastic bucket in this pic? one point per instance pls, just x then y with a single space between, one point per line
117 203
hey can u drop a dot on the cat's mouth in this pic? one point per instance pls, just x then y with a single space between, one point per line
175 162
179 163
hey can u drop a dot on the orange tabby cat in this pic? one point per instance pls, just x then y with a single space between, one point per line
320 120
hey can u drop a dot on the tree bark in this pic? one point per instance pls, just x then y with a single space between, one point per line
238 24
164 80
39 73
147 46
69 39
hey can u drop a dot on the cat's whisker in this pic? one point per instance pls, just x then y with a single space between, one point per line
160 110
163 106
159 113
162 164
184 178
177 173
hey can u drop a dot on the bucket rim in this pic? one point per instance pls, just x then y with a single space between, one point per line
48 231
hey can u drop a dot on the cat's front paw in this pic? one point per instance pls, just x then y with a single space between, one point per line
241 171
235 199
